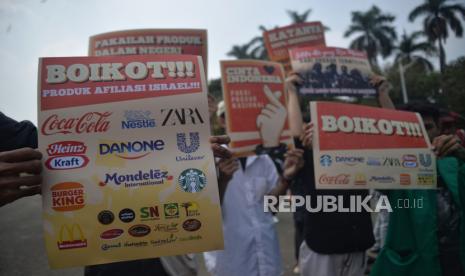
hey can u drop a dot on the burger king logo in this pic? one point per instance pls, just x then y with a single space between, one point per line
67 196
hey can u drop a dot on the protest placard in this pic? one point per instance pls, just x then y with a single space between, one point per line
332 71
128 168
256 108
151 42
279 41
360 147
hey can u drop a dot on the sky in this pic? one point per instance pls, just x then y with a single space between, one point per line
30 29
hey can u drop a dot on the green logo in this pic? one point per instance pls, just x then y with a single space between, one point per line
171 210
192 180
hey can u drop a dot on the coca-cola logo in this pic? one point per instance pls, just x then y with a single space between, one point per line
66 155
334 179
91 122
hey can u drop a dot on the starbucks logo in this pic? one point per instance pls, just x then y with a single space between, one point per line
192 180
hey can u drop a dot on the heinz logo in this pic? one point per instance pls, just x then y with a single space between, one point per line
66 155
91 122
67 196
131 150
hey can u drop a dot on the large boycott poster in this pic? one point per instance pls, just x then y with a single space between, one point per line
278 41
129 173
333 71
149 42
256 109
359 147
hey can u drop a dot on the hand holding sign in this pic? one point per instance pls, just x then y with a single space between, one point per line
272 118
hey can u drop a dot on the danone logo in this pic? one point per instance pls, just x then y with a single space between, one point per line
137 119
131 150
91 122
192 180
67 196
71 237
66 155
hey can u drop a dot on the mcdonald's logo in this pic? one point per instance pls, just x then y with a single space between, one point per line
67 237
360 179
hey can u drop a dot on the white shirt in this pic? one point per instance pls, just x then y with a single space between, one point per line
251 245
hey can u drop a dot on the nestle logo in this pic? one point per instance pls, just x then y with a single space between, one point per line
131 150
66 155
337 179
137 119
91 122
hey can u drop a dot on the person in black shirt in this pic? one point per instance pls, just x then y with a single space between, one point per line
17 156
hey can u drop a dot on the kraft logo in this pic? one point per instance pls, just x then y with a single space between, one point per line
71 237
141 178
409 161
131 150
66 155
137 119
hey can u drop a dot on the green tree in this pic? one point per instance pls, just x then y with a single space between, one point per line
375 33
297 17
240 51
437 15
410 50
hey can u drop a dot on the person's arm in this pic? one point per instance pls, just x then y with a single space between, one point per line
293 107
448 145
292 164
13 163
383 87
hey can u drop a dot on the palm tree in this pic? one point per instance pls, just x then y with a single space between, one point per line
439 13
299 18
240 51
409 50
376 33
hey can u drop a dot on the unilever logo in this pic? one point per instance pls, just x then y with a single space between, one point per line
426 160
194 142
326 160
137 119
